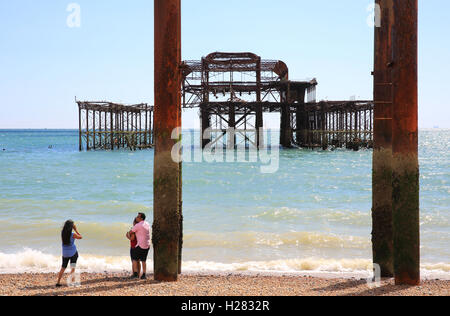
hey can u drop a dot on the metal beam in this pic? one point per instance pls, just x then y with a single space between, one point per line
167 217
405 164
382 242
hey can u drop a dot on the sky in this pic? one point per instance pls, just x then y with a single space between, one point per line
45 63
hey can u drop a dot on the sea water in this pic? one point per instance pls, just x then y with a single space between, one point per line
312 215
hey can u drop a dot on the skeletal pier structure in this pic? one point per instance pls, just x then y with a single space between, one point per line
110 126
234 90
396 207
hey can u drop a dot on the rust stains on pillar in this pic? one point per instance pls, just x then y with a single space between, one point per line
405 164
167 216
180 179
382 238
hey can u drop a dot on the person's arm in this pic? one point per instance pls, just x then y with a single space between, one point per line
76 234
131 236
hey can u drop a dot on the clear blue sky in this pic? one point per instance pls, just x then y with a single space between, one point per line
44 64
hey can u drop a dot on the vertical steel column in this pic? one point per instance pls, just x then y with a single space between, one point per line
111 119
204 111
300 118
285 120
259 109
150 128
146 126
180 164
80 138
100 127
87 130
180 178
405 163
231 133
93 129
166 225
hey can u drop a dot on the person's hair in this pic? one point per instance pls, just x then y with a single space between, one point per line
66 232
135 221
142 215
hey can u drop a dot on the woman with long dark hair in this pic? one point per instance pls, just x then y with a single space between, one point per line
69 251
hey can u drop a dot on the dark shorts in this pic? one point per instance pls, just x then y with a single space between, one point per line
133 254
139 254
73 260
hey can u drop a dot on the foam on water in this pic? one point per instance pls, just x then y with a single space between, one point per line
35 261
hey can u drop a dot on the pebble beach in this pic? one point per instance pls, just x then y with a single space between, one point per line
211 285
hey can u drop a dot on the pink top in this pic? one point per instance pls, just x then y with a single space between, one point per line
142 231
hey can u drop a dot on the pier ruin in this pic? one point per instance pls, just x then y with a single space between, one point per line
111 126
234 90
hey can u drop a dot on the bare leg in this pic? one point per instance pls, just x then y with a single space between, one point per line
136 267
61 273
74 281
144 267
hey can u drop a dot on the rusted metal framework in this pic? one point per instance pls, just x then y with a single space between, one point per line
109 126
335 123
234 90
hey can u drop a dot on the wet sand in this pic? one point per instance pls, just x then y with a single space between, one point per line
211 285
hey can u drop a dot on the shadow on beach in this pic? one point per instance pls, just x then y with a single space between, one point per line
88 286
385 289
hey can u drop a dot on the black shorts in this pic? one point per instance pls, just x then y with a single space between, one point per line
73 260
133 254
140 254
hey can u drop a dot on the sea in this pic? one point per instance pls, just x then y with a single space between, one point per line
309 215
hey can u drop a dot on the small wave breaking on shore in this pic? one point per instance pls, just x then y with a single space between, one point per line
34 261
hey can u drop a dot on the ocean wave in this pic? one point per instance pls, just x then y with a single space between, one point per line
112 234
242 240
45 208
317 215
33 261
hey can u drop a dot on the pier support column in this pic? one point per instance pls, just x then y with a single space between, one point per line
259 110
87 130
80 137
259 126
205 124
167 217
231 134
382 238
285 127
405 164
300 119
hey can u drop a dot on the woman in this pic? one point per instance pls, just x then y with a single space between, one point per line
69 251
136 267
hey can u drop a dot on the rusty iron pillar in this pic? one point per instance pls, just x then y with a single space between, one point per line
405 163
382 238
167 184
